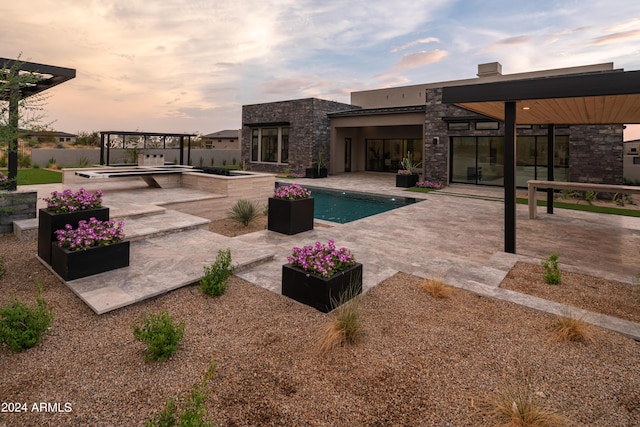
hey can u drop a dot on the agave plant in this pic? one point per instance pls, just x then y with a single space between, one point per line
244 211
407 163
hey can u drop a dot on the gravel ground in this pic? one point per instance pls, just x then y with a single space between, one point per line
420 361
590 293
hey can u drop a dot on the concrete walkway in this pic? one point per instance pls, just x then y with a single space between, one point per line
456 234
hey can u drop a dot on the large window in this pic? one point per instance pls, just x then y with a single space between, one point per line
385 155
270 145
480 160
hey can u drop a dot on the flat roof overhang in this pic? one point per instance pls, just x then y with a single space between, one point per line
578 99
596 98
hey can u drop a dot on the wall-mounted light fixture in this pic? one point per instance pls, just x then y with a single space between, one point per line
436 140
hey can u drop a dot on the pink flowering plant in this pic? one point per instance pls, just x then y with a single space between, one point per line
89 234
322 260
429 184
291 192
68 201
404 172
4 180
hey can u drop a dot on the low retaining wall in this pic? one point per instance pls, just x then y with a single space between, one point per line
15 206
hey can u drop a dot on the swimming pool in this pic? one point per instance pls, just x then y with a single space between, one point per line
342 207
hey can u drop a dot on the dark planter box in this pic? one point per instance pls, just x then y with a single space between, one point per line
319 292
290 216
49 222
72 265
407 181
314 173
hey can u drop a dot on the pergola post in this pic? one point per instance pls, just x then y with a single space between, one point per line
14 97
510 177
101 149
551 148
182 150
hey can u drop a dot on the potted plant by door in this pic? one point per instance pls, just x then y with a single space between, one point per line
321 276
64 208
93 247
290 210
408 176
318 169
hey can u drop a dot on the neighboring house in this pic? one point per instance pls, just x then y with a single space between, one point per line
224 139
632 161
379 127
49 136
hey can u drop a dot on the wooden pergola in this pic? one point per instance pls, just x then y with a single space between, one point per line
47 76
580 99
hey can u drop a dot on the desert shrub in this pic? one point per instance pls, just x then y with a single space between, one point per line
201 162
159 333
552 274
213 160
244 211
234 161
224 162
345 327
214 281
21 326
3 267
436 288
570 329
193 410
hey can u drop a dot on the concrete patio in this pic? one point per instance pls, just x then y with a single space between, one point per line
456 234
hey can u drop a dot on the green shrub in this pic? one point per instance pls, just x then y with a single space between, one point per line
213 160
24 161
201 162
552 272
243 211
159 333
224 162
21 326
192 412
234 161
214 281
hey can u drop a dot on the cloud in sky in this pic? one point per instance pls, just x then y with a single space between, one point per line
189 66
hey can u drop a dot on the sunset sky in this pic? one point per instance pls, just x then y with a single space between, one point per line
189 66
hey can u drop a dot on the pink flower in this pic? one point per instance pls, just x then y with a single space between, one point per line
322 260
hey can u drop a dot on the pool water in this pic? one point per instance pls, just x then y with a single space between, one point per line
342 207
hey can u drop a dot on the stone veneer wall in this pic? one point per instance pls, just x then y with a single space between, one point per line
308 132
596 154
595 151
14 206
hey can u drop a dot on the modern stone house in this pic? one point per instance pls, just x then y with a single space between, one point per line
455 145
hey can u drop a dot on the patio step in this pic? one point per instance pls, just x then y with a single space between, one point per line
170 221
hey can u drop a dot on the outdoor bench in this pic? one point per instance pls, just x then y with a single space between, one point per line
534 185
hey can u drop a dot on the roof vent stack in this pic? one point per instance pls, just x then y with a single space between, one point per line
490 69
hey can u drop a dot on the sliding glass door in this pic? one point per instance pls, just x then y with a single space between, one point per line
480 160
